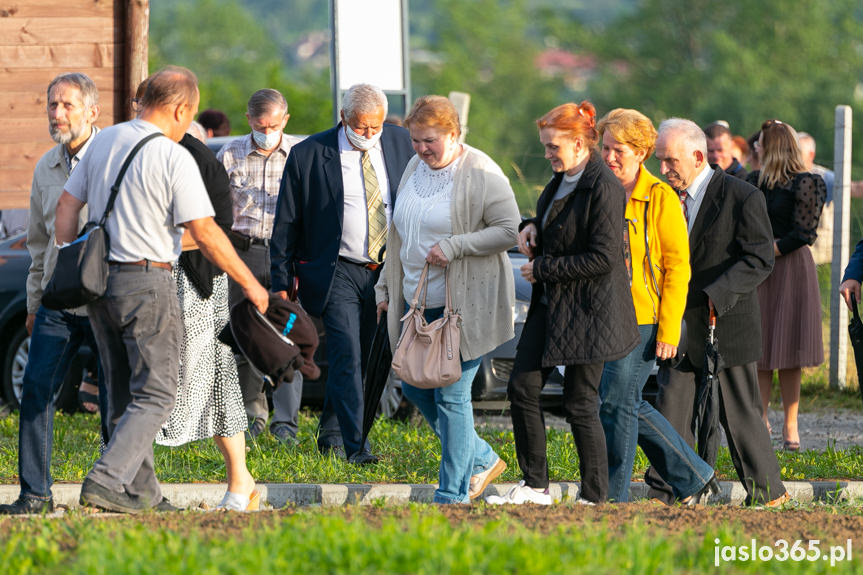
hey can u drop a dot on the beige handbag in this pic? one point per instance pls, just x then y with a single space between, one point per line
427 354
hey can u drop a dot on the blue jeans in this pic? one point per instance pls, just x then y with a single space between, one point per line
449 413
56 338
629 420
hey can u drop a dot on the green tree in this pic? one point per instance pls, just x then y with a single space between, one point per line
737 60
488 48
233 55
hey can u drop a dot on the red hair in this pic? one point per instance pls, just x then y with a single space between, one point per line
575 120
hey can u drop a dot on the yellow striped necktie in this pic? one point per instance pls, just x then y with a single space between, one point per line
376 212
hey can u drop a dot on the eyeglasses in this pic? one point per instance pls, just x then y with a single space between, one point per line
769 123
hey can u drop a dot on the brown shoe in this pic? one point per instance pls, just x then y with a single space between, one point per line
779 502
481 480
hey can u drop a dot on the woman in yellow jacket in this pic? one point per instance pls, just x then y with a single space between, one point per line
657 245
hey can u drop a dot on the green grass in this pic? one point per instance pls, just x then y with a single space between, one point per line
410 454
419 539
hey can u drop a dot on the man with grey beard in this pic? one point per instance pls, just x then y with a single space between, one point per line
55 336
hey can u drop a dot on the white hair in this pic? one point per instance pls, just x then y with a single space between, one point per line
692 136
363 99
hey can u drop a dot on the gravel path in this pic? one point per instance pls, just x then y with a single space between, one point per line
840 428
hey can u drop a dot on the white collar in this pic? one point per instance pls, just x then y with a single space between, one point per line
699 184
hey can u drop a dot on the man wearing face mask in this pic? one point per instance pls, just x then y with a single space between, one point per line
335 203
255 164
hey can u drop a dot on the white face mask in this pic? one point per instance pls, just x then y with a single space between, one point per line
266 141
360 141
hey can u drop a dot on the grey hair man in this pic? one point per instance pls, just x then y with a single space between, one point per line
255 164
720 149
137 324
731 252
55 336
335 184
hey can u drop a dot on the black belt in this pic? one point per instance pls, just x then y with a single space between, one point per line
244 242
141 265
370 265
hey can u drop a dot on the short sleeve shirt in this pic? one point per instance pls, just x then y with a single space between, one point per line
162 190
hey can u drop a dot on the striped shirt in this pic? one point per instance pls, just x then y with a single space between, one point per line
255 180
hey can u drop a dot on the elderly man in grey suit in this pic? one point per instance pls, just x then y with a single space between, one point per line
731 252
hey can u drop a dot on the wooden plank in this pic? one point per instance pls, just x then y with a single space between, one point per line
24 155
53 8
30 104
12 198
37 79
55 31
17 130
67 56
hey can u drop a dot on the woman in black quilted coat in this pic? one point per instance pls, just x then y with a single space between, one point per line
581 312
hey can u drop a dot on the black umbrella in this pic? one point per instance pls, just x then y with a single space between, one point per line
377 374
855 332
705 425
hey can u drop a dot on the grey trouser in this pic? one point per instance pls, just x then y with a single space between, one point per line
740 416
138 329
286 399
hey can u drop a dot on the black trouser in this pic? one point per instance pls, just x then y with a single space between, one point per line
581 404
740 415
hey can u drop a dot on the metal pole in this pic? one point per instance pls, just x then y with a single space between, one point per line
841 247
334 63
406 59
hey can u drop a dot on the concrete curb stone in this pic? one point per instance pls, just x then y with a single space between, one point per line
277 495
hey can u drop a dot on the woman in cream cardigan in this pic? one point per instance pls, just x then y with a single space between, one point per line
456 211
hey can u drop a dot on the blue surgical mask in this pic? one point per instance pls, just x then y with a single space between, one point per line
267 141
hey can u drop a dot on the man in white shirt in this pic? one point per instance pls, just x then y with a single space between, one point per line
138 326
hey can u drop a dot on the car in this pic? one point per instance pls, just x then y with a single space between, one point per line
14 339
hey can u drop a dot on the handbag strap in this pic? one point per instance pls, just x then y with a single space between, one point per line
116 187
422 289
448 305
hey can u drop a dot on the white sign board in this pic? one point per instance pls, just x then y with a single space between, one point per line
369 46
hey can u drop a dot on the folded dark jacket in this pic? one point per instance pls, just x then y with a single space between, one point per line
276 344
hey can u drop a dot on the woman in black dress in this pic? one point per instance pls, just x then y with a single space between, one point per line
790 300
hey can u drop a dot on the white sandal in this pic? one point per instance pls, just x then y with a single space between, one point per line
236 502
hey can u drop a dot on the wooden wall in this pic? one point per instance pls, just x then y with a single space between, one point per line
38 40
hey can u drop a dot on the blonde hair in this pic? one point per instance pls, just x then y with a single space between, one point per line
629 127
780 155
434 112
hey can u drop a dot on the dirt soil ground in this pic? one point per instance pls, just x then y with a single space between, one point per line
829 525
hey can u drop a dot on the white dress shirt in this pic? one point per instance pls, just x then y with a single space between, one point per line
695 193
355 225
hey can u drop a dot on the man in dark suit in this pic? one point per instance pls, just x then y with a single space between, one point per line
731 252
335 201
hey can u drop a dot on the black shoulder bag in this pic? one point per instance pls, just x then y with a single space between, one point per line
81 274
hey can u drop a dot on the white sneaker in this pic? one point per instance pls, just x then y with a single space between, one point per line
519 494
480 481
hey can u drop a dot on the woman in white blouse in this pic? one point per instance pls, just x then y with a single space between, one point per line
455 210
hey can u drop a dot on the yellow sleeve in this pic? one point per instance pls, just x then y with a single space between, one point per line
673 238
